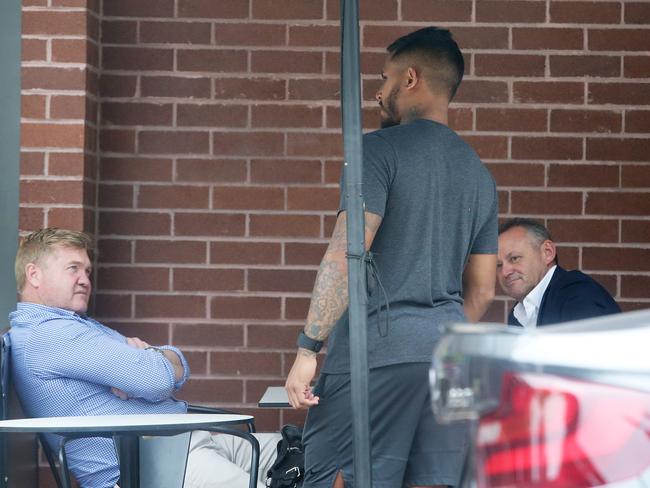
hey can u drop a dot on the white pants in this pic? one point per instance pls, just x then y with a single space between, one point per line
224 461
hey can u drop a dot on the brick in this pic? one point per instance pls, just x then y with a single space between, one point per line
130 113
314 144
569 256
175 86
67 218
489 147
111 305
618 39
48 191
229 252
368 9
53 23
243 307
250 34
287 225
597 66
635 286
585 121
112 251
637 13
517 174
137 58
303 253
32 163
248 143
296 308
173 196
204 391
248 198
172 306
583 175
286 62
133 278
150 332
548 92
503 119
291 116
563 11
68 107
205 335
174 142
370 63
53 78
480 91
246 363
209 224
287 9
281 280
278 336
212 115
635 231
314 89
249 89
165 251
370 117
547 38
144 8
513 11
583 230
616 259
32 106
198 361
212 60
315 35
630 306
198 279
117 140
134 223
115 196
460 119
72 164
558 148
120 31
481 37
619 203
211 170
619 93
635 175
175 32
33 50
437 10
140 169
73 51
208 9
313 198
117 85
546 202
509 65
636 66
611 149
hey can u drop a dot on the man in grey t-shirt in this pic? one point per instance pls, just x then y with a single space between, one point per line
431 223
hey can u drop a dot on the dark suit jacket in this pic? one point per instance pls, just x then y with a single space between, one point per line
571 295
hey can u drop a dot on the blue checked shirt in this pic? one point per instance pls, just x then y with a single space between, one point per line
64 364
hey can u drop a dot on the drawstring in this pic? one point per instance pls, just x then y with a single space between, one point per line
372 282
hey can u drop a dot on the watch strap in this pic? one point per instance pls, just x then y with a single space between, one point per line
308 343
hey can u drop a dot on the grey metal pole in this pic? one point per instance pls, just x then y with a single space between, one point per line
353 153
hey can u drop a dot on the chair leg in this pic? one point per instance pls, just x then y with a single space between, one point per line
255 451
64 474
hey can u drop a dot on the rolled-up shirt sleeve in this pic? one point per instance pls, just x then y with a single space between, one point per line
186 367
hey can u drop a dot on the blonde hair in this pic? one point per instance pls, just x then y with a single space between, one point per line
39 243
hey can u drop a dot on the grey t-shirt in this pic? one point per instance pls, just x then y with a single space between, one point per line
439 205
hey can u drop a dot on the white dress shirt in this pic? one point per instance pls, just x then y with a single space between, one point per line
527 310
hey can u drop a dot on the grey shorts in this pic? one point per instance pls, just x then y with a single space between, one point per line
408 447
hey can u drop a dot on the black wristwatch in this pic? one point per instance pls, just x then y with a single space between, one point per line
308 343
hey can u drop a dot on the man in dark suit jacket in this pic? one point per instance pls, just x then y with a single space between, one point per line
545 293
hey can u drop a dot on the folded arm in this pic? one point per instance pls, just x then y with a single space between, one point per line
479 279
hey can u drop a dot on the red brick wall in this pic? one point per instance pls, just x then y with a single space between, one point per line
220 148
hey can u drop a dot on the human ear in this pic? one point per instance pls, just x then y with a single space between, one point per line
548 251
412 77
33 274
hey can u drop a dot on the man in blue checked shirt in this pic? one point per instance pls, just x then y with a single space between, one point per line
65 364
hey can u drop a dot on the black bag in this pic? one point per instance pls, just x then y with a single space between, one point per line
288 470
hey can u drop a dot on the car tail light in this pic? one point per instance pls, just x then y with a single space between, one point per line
556 432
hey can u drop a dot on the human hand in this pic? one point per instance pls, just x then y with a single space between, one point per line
299 379
119 393
136 342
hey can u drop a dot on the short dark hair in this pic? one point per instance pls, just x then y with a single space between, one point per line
535 230
437 54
